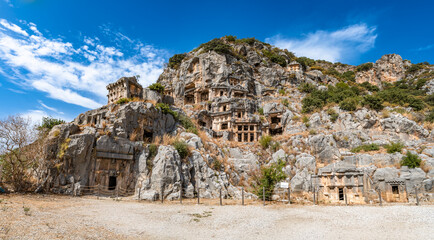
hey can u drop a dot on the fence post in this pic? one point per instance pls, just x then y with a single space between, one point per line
221 203
180 195
379 195
117 192
314 199
140 190
263 194
72 189
198 196
417 197
162 195
242 196
289 195
98 192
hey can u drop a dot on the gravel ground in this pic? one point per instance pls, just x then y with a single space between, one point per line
59 217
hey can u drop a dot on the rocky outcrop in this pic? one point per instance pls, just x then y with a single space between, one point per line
389 68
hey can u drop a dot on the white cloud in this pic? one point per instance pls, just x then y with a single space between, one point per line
76 75
49 108
16 91
339 45
13 27
35 116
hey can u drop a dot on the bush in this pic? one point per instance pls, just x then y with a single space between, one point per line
270 176
285 102
261 111
349 76
188 124
217 165
307 87
349 104
153 150
48 123
366 148
430 117
218 46
416 103
282 91
275 57
265 141
182 148
157 87
394 147
305 62
231 38
165 108
123 100
275 146
333 115
175 60
374 102
415 67
310 103
364 67
411 160
368 86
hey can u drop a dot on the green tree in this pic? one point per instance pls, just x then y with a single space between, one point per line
270 176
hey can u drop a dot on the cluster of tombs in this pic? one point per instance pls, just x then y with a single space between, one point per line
339 183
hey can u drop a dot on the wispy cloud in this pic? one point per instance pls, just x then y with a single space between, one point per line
9 3
338 45
74 74
49 108
16 91
425 48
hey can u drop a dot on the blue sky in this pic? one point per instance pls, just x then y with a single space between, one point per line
56 57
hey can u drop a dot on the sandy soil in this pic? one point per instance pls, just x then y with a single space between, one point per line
62 217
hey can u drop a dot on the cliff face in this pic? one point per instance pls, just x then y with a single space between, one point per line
238 92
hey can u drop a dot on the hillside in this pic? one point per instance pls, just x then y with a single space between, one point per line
240 112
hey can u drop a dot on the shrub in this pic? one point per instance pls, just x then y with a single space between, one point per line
165 108
123 100
249 41
368 86
157 87
305 119
307 87
394 147
364 67
366 148
48 123
153 150
416 103
333 115
175 60
305 62
231 38
218 46
282 91
182 148
275 146
217 165
285 102
429 99
374 102
265 141
411 160
188 124
261 111
349 76
415 67
275 57
430 116
349 104
310 103
269 177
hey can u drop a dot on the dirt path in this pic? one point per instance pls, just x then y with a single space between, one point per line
59 217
